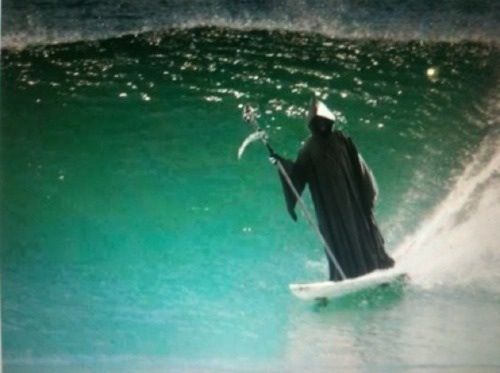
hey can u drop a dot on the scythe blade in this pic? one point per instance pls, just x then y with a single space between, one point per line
254 136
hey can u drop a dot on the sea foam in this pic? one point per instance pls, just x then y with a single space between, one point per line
458 245
38 22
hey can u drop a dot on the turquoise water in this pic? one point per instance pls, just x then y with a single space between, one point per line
134 240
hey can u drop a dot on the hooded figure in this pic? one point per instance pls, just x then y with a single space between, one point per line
343 191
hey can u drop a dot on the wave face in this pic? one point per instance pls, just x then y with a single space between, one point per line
42 22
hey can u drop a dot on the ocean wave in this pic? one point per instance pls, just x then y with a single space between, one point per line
38 22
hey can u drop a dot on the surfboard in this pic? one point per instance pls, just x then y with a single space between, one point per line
334 289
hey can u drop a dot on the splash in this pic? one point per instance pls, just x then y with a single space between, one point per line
459 244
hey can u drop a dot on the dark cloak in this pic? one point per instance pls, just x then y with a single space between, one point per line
343 192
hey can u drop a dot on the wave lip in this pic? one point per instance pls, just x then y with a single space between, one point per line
38 22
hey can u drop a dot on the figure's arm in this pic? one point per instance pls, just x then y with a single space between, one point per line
297 175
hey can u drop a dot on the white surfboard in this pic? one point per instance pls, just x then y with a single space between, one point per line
331 289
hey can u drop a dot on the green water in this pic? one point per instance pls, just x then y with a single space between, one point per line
133 239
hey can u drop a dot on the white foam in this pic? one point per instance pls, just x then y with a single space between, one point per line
459 245
46 23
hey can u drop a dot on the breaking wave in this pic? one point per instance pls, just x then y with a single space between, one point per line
38 22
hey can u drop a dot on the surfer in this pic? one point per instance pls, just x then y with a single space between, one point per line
343 191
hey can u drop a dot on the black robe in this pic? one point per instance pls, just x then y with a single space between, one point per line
343 193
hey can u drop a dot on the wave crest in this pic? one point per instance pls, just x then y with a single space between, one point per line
38 22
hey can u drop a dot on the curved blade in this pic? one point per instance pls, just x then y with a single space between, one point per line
254 136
